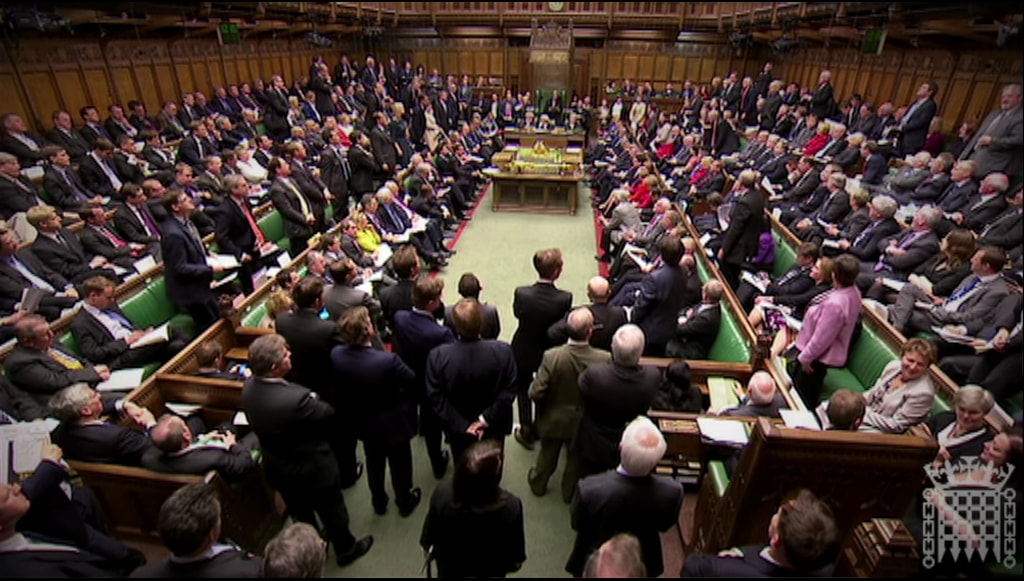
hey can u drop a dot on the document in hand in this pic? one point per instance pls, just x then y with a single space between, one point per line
30 298
158 335
382 255
122 380
225 261
21 448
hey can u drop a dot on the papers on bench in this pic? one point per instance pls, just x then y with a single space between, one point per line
731 432
225 261
22 444
754 280
144 264
382 255
284 259
800 419
30 298
240 419
829 243
122 380
158 335
896 285
724 392
221 282
183 409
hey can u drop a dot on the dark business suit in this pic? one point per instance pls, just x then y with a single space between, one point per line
229 564
380 387
99 347
275 113
416 333
979 212
132 229
364 169
294 428
915 126
232 464
40 375
741 239
607 319
693 339
13 284
865 245
62 193
466 380
96 243
749 564
68 259
91 133
662 295
107 442
27 156
823 102
537 307
918 249
236 237
17 195
187 274
72 142
95 179
613 395
1005 231
296 225
341 297
748 409
876 168
57 564
795 280
612 503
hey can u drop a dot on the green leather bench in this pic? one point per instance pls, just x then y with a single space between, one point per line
273 228
785 257
730 345
255 316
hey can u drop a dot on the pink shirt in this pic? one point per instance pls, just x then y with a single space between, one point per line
828 327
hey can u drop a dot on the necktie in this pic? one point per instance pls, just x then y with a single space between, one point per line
74 184
32 277
65 360
194 235
303 204
260 238
199 148
147 223
121 319
111 237
864 233
110 173
346 169
956 299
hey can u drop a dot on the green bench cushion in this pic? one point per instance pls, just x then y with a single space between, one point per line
730 345
151 308
255 315
718 474
67 340
273 228
868 357
785 257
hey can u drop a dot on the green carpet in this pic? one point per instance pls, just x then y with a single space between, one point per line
498 248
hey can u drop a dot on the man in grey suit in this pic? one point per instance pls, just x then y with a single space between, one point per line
625 218
555 389
998 146
975 298
342 295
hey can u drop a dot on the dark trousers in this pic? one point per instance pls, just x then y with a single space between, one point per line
731 273
343 444
297 244
328 504
399 458
547 462
151 353
430 429
808 385
525 406
204 313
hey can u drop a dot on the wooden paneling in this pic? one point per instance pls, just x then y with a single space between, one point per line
147 86
166 89
497 63
100 92
11 98
73 93
645 68
630 66
185 79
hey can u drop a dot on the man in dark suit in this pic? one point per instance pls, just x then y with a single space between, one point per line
98 172
118 125
178 449
239 234
135 223
292 203
307 180
84 435
64 135
293 427
383 145
865 245
343 295
796 280
363 165
904 251
823 102
189 524
416 333
17 194
380 385
59 249
662 295
698 329
607 318
21 270
628 500
1005 231
99 239
20 142
471 382
311 340
537 307
62 182
92 129
612 393
915 123
556 391
763 399
803 541
989 203
106 336
185 270
741 238
398 297
275 110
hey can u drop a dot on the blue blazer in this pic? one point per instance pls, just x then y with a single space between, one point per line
188 276
416 333
378 386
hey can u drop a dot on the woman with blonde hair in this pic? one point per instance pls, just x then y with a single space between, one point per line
278 303
399 130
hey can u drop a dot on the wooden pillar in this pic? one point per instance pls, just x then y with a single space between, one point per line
881 547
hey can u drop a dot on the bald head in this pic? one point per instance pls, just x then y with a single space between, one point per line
761 388
581 324
598 289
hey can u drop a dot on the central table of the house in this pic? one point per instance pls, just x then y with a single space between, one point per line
537 179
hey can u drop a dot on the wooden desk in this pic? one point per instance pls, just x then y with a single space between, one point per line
554 140
535 193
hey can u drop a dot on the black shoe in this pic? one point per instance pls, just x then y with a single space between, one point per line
360 548
536 488
410 505
521 437
440 468
355 477
382 506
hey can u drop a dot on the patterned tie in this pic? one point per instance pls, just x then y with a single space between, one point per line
260 238
121 319
65 360
148 223
111 237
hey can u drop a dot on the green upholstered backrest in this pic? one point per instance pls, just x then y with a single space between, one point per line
785 257
730 345
68 340
254 316
719 475
869 356
273 227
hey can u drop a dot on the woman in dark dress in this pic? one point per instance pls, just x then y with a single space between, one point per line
399 130
474 527
962 432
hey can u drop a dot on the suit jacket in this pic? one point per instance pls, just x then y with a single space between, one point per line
956 196
57 564
27 157
748 409
383 147
625 216
470 379
380 387
231 563
37 373
311 340
131 229
742 237
294 428
192 150
915 127
17 197
185 270
612 503
876 168
657 307
923 246
107 442
613 395
607 320
157 161
893 412
95 243
364 169
61 192
537 307
829 323
90 133
833 209
12 283
748 564
1005 231
693 339
396 298
1005 153
275 112
118 128
72 142
69 260
556 388
286 202
491 328
978 305
867 245
341 297
233 464
234 234
416 333
978 212
95 341
95 179
822 102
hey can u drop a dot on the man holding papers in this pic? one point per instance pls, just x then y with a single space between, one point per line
105 335
188 275
239 235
